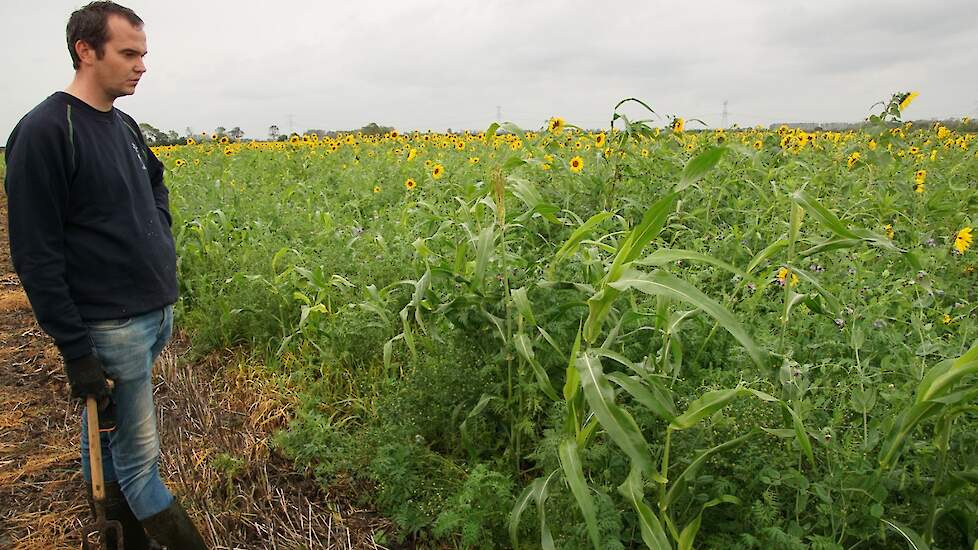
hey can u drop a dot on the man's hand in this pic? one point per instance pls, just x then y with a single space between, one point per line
86 378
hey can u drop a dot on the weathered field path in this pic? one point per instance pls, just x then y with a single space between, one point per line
216 417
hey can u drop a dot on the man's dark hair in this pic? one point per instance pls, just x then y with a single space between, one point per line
90 25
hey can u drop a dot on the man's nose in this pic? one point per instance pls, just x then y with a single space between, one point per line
140 66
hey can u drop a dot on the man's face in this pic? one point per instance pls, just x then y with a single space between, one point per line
121 66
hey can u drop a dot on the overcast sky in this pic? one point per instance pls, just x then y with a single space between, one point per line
439 64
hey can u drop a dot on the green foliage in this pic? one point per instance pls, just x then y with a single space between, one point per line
478 512
756 331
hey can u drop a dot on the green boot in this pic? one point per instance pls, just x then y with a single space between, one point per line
116 507
173 529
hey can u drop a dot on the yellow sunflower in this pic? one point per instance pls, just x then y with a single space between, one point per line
437 171
576 164
907 99
556 125
783 274
376 189
473 160
962 240
918 181
180 162
410 184
599 140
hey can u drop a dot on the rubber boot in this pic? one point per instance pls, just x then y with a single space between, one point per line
173 529
116 507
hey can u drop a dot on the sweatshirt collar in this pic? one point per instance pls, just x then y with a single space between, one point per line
106 116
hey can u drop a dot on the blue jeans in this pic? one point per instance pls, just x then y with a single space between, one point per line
131 452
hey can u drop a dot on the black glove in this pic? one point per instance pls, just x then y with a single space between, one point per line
86 377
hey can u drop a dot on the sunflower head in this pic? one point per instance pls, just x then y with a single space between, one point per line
962 240
906 99
437 171
576 164
410 184
599 140
376 189
556 125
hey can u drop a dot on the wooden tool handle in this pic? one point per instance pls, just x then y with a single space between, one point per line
95 450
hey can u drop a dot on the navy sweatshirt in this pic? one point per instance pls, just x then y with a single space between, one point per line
89 219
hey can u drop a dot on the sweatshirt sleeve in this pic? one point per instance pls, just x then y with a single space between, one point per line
39 164
160 193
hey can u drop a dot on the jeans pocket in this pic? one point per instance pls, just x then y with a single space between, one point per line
110 324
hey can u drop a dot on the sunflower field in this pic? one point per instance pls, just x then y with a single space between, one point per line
646 336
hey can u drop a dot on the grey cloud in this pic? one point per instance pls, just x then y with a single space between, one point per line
433 64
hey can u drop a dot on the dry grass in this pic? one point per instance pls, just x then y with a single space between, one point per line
216 420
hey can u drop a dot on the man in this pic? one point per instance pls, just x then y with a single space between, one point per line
90 239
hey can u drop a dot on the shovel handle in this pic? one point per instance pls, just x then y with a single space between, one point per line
95 450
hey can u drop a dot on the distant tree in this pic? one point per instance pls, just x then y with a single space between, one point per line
151 134
373 129
315 132
221 131
273 132
236 133
172 137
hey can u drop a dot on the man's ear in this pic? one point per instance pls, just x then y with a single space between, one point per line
86 54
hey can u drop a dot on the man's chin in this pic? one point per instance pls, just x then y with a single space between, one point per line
122 92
